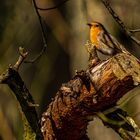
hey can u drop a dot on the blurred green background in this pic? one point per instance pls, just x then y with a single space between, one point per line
66 32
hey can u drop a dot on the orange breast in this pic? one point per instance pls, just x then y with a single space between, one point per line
93 36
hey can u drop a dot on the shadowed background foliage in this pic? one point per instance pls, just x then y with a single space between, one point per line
66 32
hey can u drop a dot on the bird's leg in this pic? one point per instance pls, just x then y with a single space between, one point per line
93 57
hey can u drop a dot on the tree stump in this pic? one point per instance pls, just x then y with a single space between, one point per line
93 90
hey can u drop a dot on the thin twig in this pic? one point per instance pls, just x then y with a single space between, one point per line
42 29
38 56
119 21
53 7
22 56
135 30
43 35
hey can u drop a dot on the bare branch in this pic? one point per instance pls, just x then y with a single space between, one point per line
119 21
43 35
21 58
22 55
54 7
37 57
135 30
12 78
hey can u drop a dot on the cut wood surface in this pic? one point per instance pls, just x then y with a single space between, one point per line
90 91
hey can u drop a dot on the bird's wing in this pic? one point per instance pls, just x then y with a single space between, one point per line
107 40
106 45
117 44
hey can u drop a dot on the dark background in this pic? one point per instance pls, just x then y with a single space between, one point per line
66 32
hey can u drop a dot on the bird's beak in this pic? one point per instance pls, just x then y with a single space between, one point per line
89 24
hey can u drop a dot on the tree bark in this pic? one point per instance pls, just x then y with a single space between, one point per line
90 91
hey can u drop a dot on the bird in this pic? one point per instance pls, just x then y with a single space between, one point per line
103 41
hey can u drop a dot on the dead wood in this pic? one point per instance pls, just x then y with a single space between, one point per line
90 91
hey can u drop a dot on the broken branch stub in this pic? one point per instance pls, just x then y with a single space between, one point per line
94 90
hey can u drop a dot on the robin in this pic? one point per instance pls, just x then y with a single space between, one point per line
102 41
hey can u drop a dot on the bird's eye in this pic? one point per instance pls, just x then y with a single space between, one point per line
96 25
